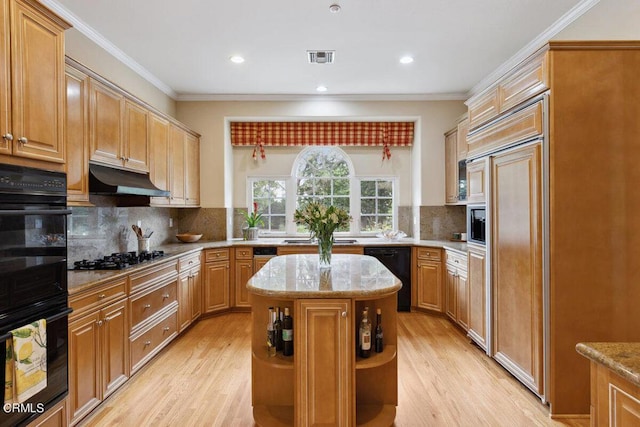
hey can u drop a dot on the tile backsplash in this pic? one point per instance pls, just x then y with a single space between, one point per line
440 222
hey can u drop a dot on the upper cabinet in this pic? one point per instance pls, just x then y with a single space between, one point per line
110 126
32 85
451 167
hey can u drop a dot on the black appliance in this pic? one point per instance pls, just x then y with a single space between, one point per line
33 277
476 224
117 261
398 260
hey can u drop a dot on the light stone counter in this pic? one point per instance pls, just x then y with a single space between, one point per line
623 358
298 276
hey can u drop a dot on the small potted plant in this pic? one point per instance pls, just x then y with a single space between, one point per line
253 220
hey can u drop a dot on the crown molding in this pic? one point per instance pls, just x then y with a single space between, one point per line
531 47
112 49
320 98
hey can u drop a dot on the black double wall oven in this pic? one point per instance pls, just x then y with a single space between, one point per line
33 278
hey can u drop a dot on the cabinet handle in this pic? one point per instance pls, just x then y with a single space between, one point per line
106 319
456 261
146 343
191 262
99 322
146 306
7 137
23 140
166 329
101 296
428 253
344 314
164 296
217 255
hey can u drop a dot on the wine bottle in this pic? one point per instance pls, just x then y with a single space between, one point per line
271 335
277 327
365 334
379 344
287 333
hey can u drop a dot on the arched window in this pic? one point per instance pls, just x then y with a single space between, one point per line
323 174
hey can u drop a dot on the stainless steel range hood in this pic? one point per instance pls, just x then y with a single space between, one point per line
109 181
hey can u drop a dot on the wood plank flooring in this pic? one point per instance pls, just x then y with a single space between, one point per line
204 379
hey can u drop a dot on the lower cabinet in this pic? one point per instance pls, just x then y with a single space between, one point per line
457 289
615 401
216 280
242 273
477 267
53 417
189 291
98 352
428 292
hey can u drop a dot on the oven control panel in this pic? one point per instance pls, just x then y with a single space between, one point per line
27 180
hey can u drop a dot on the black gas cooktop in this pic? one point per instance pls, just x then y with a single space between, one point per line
117 261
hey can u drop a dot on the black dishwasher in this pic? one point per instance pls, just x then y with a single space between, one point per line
398 260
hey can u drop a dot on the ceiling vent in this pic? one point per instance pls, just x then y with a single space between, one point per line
321 56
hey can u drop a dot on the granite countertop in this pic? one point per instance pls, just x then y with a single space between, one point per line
81 280
298 276
623 358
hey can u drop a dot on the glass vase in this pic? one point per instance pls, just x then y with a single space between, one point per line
325 244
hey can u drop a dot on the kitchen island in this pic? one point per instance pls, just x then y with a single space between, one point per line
324 382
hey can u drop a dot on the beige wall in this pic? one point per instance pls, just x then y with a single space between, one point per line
89 54
607 20
224 170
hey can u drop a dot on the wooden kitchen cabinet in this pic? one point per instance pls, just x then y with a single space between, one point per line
243 272
135 148
77 136
106 109
461 139
516 254
189 290
192 170
98 347
177 139
216 280
427 278
456 288
451 167
476 181
56 416
160 161
32 85
477 256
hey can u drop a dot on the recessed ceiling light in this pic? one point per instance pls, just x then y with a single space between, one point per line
321 89
236 59
334 8
406 60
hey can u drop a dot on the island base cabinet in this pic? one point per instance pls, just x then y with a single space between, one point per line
615 401
324 351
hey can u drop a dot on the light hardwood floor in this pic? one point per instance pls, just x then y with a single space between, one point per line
204 379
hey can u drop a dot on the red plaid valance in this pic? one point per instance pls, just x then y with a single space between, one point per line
322 133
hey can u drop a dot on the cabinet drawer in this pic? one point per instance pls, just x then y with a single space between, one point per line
97 297
189 261
211 255
244 253
152 275
148 303
455 259
146 344
432 254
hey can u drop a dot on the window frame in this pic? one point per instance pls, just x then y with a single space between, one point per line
394 201
249 189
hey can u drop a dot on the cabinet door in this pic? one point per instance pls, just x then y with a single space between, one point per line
37 70
461 140
477 296
84 365
517 263
192 170
105 122
195 293
259 262
135 144
476 181
451 291
462 299
244 271
176 150
5 78
323 348
429 284
77 136
159 163
184 301
115 347
451 168
216 286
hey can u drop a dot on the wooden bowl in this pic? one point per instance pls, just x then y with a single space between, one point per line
188 237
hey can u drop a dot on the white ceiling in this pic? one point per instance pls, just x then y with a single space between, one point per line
183 47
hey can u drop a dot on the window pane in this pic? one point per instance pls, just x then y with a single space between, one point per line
270 195
305 187
385 189
385 223
278 206
260 189
385 206
278 223
368 188
368 223
368 206
341 202
341 187
323 186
